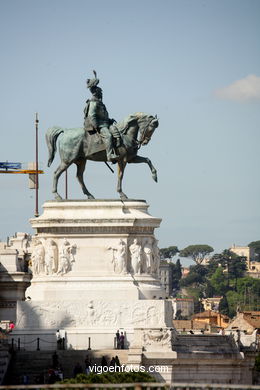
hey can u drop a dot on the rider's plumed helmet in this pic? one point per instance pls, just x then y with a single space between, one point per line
92 83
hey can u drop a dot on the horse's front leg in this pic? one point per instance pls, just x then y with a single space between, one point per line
121 168
140 159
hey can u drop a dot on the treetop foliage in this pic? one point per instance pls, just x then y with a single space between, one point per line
196 252
168 253
256 246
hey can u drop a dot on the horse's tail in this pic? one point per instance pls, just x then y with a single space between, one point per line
51 140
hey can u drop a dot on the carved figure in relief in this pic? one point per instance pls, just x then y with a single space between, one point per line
148 256
38 258
91 313
138 316
66 257
157 338
119 259
135 251
151 316
108 317
157 259
25 243
51 258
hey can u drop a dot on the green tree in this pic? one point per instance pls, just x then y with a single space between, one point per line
168 253
196 276
209 290
256 246
236 268
196 252
212 265
111 377
176 275
249 293
224 306
219 281
194 285
234 264
233 299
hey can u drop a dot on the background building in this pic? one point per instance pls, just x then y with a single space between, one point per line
166 276
211 303
253 266
212 318
183 308
247 321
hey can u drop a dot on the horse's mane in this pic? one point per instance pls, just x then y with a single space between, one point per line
141 117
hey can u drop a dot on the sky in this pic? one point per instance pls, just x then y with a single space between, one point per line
194 63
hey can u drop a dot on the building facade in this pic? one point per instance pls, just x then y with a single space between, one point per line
166 277
183 308
253 266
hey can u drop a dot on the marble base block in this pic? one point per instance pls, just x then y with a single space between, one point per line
95 266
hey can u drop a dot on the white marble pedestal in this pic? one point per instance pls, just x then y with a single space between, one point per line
95 267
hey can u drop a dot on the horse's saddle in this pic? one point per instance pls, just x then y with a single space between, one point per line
112 128
94 142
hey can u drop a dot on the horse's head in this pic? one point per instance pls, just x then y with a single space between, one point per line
147 125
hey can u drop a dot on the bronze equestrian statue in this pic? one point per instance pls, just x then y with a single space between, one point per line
101 139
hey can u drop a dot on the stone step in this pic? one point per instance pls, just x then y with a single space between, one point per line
202 340
37 363
205 343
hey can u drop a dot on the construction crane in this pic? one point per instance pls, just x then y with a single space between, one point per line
7 167
32 170
16 167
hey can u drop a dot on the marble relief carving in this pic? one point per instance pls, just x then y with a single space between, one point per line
157 258
89 314
38 258
66 257
145 257
119 257
157 338
135 251
49 259
137 256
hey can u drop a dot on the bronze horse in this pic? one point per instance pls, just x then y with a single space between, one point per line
77 146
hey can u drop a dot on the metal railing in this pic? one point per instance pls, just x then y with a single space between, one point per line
38 343
136 386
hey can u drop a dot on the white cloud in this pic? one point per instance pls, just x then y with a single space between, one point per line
241 90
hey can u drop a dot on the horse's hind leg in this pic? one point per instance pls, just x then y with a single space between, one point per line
61 168
121 168
80 170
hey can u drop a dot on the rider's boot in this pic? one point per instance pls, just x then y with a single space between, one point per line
108 141
118 142
111 155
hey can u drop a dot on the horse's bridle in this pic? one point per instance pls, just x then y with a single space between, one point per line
139 142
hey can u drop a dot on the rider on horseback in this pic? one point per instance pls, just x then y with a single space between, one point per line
96 117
